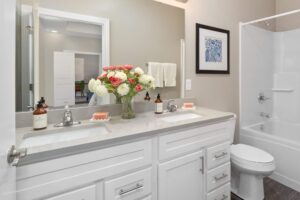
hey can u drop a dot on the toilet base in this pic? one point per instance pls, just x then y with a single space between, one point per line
247 186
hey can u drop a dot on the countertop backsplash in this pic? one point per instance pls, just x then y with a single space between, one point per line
24 119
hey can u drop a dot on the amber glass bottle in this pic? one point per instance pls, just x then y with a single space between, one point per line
40 117
43 101
158 105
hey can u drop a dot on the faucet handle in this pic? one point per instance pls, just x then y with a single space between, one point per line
262 98
172 107
67 118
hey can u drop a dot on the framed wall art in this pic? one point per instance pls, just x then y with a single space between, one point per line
212 50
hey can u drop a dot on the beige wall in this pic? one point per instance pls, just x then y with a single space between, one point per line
289 22
287 5
220 91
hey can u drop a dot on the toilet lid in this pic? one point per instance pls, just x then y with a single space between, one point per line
249 153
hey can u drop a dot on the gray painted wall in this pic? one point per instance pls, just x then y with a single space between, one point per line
91 66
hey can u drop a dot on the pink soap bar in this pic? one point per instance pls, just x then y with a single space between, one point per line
100 115
188 105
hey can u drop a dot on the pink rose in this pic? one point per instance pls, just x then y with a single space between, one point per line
112 68
128 67
115 81
104 75
138 88
109 68
131 81
119 67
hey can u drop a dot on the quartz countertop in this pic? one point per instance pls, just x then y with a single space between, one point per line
118 131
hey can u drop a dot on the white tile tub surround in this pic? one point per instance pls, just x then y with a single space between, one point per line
286 103
256 72
271 64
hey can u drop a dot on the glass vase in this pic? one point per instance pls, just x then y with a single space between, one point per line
127 108
118 99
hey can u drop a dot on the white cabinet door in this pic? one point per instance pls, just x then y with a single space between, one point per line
7 90
182 178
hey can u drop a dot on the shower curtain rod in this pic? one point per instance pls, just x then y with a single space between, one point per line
272 17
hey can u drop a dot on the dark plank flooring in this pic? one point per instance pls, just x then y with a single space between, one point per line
276 191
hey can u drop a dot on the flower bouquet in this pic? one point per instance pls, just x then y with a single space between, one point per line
124 82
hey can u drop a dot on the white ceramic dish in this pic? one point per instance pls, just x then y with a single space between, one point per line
193 108
99 120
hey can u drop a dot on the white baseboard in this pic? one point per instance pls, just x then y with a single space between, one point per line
286 181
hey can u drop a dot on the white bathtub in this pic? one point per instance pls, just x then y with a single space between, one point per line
282 140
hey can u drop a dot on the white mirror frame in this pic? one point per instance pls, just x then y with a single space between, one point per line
104 22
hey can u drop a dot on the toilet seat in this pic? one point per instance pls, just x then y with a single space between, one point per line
252 159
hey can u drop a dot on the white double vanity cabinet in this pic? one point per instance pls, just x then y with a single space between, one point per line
186 161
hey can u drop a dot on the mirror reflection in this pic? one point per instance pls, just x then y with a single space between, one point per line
65 44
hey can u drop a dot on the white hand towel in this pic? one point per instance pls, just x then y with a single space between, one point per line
156 70
170 71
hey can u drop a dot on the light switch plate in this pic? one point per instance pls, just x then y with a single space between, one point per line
188 84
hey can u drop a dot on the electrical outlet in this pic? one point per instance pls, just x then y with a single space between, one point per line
188 84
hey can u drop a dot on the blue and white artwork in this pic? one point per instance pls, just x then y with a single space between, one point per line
213 50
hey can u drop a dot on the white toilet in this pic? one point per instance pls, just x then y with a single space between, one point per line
249 166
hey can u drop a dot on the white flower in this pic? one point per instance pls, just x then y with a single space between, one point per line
97 83
91 85
101 90
148 81
151 82
123 89
139 71
110 74
121 75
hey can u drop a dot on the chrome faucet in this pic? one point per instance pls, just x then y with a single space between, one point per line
172 107
262 98
67 119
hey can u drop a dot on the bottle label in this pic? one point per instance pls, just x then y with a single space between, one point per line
40 121
159 107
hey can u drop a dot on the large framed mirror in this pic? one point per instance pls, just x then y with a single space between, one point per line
64 44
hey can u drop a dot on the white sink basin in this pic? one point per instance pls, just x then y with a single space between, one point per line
180 117
64 135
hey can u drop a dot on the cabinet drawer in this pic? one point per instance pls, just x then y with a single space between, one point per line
63 174
193 139
218 177
87 193
222 193
218 155
130 187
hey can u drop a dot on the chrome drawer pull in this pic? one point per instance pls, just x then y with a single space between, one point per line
123 192
202 164
223 154
224 197
218 178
